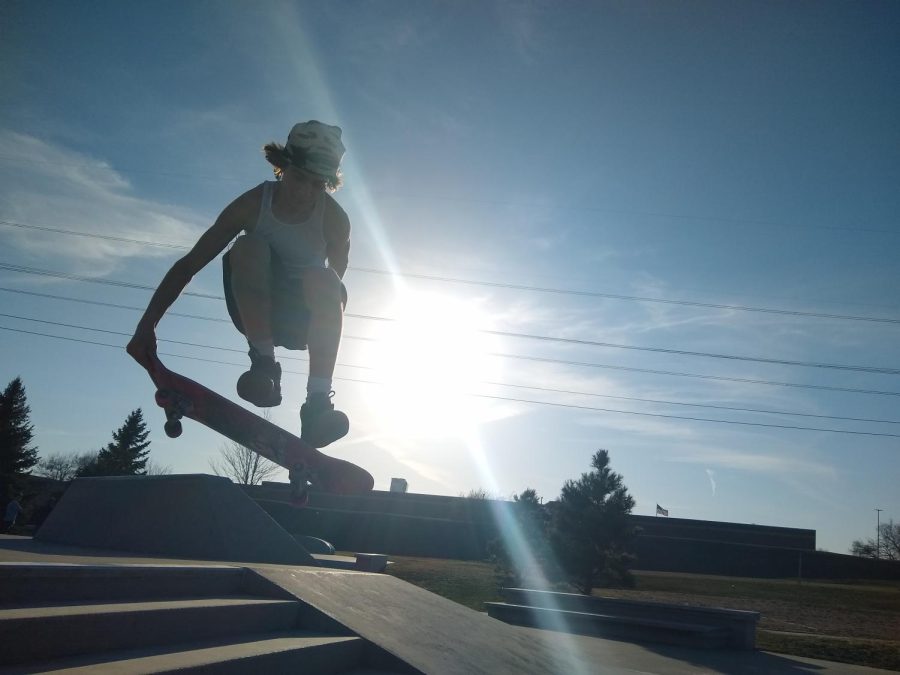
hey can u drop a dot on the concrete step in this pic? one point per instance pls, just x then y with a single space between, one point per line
610 626
55 631
37 583
296 651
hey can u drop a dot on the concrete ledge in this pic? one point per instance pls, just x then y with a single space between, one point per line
740 625
615 627
361 562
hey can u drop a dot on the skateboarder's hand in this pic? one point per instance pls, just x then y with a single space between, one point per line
142 346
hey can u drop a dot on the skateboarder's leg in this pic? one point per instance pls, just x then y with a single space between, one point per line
322 292
251 259
322 295
249 277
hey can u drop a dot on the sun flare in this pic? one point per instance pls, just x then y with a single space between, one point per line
430 360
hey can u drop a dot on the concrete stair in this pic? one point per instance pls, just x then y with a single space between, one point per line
150 619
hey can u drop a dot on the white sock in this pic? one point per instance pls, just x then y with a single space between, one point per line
318 385
264 347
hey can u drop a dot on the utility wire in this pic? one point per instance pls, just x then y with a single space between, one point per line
681 352
492 383
520 287
637 298
519 400
501 384
722 378
805 364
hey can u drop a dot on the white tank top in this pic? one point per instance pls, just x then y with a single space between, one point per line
297 245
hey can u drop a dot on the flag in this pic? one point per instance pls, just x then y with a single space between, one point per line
660 511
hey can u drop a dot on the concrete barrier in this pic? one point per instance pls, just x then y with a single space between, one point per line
738 626
192 516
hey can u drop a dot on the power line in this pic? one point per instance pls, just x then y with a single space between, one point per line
693 405
681 352
95 235
510 286
501 384
518 400
806 364
637 298
547 360
721 378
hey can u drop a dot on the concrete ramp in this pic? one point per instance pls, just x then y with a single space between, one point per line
194 516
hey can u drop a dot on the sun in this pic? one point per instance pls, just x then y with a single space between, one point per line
429 361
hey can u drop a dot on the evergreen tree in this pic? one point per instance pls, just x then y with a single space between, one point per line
522 553
16 431
127 454
592 529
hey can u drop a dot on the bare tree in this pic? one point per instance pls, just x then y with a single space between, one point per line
63 467
154 469
886 546
243 465
57 466
480 494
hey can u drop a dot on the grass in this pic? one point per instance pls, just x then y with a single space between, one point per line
469 583
847 621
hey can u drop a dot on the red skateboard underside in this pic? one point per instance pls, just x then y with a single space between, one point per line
181 396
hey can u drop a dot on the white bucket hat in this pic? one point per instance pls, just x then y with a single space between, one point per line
316 147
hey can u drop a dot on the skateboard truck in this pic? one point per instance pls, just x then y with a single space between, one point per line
175 407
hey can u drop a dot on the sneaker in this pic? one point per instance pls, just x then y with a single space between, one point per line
320 423
261 385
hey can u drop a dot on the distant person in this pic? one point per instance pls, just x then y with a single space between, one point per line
12 511
282 277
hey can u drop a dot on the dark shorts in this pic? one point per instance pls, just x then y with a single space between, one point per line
290 315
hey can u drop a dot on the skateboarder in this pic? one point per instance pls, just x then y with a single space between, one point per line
282 277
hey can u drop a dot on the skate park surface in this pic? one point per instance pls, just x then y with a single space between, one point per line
421 631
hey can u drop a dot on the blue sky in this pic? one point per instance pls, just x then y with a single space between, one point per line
647 158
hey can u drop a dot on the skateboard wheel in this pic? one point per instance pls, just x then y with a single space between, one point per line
173 428
163 398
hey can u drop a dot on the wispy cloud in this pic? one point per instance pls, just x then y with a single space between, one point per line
44 184
712 480
779 465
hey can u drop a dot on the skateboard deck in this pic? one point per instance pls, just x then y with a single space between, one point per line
308 468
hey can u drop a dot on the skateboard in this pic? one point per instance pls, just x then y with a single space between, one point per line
308 468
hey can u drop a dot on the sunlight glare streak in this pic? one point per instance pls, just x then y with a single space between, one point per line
570 660
296 49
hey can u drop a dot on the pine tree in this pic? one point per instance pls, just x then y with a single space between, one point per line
592 529
522 552
127 454
16 431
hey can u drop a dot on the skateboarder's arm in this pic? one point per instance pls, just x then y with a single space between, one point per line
337 237
227 226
